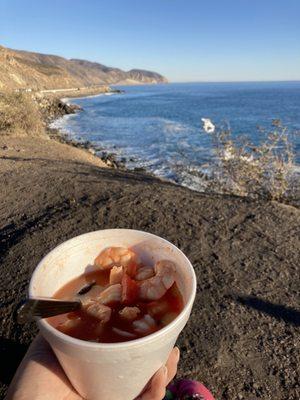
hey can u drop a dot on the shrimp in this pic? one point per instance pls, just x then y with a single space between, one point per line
111 295
129 313
69 324
116 274
92 294
121 332
115 256
158 308
97 310
144 273
144 325
154 288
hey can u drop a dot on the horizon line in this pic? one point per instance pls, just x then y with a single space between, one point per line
240 81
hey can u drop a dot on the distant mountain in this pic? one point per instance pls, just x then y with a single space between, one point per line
24 69
145 76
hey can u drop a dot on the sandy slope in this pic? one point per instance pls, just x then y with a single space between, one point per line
243 335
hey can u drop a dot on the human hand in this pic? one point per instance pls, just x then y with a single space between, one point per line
40 377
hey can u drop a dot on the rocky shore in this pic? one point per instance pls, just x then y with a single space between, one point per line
54 107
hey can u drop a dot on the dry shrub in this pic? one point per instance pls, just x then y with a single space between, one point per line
265 170
20 115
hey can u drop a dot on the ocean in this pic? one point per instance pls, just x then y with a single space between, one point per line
159 127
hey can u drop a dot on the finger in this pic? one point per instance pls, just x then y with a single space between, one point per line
41 363
39 348
172 364
157 389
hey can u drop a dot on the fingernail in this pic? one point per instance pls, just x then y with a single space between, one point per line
165 371
177 354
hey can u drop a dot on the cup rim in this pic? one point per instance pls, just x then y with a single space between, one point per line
42 323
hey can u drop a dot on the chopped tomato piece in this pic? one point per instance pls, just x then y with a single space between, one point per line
168 318
158 308
175 299
129 290
131 269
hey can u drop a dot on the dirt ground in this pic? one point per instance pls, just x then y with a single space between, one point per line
242 339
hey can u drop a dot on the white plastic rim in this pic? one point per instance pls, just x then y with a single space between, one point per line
100 371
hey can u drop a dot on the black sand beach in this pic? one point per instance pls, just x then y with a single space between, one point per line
242 339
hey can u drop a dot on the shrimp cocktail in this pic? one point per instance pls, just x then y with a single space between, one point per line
122 298
136 292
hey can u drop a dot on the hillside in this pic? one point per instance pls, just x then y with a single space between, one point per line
23 69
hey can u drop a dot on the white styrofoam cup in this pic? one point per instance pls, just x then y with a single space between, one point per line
111 371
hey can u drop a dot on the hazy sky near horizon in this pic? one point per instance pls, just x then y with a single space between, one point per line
185 40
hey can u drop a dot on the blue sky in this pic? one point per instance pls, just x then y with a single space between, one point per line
185 40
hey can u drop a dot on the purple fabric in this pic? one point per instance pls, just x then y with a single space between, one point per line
186 389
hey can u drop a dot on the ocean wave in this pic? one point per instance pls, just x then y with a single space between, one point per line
73 99
63 123
296 169
174 127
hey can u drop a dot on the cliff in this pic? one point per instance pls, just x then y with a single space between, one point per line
23 69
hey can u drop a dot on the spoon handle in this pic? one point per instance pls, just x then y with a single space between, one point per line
44 307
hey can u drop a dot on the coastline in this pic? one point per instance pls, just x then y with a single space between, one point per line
68 108
88 96
111 160
78 92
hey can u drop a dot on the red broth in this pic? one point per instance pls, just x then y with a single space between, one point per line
82 326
